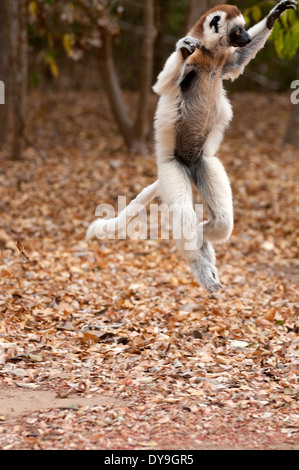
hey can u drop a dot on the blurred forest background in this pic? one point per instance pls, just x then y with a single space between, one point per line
119 46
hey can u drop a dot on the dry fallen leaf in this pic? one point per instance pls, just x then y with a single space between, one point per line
22 250
263 322
5 273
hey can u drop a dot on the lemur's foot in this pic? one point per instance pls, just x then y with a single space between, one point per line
207 275
278 10
187 46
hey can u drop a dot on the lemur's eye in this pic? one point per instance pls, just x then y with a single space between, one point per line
238 32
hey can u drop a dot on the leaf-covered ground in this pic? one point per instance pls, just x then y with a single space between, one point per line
118 332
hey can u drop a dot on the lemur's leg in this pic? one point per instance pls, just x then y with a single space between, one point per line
203 270
259 34
208 252
213 184
176 192
103 228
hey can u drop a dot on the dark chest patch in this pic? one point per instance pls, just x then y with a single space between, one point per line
188 80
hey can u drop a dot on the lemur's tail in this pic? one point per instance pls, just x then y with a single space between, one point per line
102 228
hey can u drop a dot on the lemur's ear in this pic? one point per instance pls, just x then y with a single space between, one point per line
215 22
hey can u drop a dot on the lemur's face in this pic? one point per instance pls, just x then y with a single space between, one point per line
238 37
223 31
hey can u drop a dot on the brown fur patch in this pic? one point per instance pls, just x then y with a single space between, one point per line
206 61
230 10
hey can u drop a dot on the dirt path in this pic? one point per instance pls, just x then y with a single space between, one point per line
37 419
14 402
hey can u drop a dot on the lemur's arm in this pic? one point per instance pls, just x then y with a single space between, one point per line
168 78
259 34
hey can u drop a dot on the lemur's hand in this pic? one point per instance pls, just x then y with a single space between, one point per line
278 10
187 46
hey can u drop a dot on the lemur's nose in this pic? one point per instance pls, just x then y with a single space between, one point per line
248 39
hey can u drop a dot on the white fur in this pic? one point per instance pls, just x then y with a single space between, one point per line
167 79
238 20
210 36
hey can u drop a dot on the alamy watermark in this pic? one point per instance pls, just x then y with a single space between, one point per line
295 94
160 221
2 92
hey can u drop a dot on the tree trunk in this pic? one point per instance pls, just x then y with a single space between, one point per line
196 10
114 93
146 75
4 74
17 15
134 134
163 12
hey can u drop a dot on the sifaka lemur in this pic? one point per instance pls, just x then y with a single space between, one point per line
192 114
